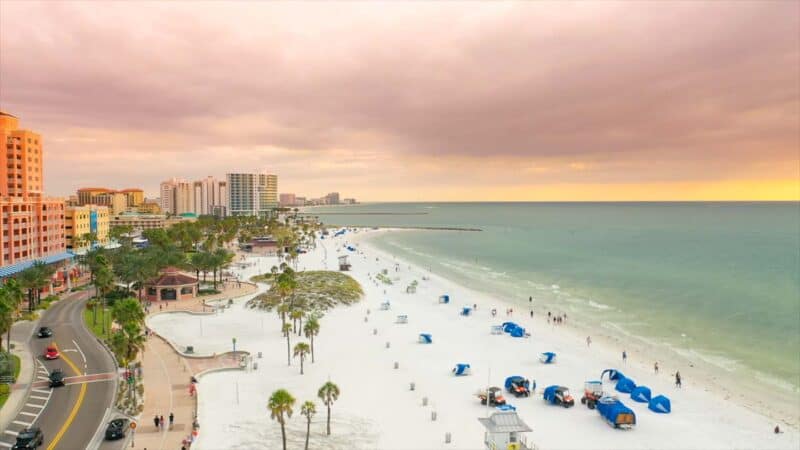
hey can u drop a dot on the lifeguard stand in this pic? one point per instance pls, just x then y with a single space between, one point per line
344 265
503 431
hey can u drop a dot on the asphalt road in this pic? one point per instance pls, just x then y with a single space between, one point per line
69 416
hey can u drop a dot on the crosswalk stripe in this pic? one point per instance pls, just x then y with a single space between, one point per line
38 397
19 422
41 391
42 377
13 433
27 413
5 444
34 405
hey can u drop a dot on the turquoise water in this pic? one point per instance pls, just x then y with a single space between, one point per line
719 281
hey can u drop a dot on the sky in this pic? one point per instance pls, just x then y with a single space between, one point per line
415 101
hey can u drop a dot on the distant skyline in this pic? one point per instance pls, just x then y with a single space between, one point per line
419 101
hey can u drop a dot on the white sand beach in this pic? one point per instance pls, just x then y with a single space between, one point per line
377 409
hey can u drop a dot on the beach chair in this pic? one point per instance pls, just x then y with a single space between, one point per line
497 329
385 306
402 319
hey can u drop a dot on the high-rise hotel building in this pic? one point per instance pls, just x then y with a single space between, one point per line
33 225
252 194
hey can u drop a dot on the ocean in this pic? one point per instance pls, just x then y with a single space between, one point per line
713 281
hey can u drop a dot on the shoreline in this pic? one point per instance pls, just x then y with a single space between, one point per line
701 373
377 409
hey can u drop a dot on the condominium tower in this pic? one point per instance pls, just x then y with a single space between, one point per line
252 194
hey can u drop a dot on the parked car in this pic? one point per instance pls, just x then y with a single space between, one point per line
45 332
29 438
56 378
51 353
117 428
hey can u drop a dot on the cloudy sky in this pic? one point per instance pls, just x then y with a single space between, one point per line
415 101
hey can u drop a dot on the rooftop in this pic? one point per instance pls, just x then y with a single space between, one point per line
504 422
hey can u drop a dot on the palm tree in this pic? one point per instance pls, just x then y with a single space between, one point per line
328 393
14 296
295 315
311 330
280 408
103 282
308 409
43 279
301 349
27 281
287 328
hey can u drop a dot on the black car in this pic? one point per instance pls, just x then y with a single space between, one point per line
28 438
56 378
45 332
117 428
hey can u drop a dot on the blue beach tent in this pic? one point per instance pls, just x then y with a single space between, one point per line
465 311
425 338
641 394
339 233
613 374
444 299
508 326
351 248
517 332
461 369
547 357
625 385
660 404
616 413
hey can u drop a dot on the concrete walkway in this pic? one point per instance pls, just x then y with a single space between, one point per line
167 378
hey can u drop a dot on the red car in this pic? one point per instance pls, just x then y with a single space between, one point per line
51 352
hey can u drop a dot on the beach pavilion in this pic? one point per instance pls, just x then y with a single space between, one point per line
172 285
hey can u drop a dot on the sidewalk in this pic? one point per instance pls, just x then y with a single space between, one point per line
167 377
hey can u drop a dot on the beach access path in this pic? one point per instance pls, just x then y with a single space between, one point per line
167 376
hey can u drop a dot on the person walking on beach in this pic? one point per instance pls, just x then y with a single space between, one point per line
530 299
624 357
588 341
161 420
531 314
171 420
655 367
678 379
155 421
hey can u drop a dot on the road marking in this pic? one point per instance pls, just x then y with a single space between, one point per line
40 377
75 408
13 433
39 397
41 391
27 413
5 444
81 352
19 422
34 405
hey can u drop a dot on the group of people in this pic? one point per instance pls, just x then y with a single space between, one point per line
557 319
160 422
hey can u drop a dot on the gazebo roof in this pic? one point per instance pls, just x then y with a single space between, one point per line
171 276
504 422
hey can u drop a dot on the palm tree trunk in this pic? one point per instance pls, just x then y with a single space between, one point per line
301 364
308 431
283 434
329 418
312 348
30 300
288 350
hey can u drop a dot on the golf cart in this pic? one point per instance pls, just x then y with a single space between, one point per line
518 386
558 395
592 392
494 396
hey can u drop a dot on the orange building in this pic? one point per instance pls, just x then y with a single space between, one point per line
33 225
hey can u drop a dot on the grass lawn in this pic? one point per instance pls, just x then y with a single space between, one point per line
6 389
98 329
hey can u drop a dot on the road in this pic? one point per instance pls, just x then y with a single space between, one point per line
69 416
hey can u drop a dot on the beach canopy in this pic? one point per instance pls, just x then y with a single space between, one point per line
625 385
508 326
613 374
641 394
615 412
465 311
660 404
517 332
425 338
444 298
461 369
547 357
